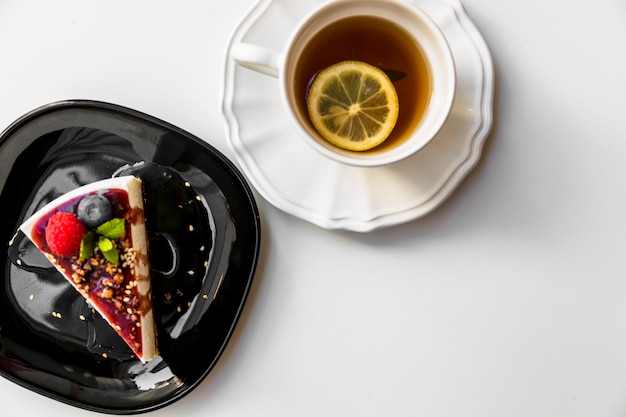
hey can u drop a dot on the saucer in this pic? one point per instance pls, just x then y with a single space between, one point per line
296 179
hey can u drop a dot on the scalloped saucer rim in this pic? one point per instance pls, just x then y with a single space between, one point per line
296 179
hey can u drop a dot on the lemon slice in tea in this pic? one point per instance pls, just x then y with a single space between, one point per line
353 105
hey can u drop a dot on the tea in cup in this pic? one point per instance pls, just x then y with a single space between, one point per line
397 38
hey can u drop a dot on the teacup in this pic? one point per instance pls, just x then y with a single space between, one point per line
393 35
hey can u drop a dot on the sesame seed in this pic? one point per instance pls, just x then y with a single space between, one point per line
82 317
198 198
19 262
104 355
219 285
191 228
190 272
205 296
187 184
32 297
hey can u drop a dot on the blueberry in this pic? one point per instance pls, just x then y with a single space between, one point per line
94 210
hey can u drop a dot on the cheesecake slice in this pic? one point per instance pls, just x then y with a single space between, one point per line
95 236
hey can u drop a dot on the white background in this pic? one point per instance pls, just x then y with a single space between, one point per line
508 300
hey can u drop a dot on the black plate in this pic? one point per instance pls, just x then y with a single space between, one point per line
43 345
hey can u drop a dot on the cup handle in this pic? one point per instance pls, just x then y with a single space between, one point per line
256 58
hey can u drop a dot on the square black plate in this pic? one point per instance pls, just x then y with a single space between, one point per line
63 145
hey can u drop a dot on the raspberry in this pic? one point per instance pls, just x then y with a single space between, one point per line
64 233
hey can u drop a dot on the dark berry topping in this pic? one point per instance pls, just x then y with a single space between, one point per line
94 210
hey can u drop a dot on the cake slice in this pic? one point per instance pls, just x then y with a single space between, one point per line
96 238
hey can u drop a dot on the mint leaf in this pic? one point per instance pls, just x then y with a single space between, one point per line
112 229
112 256
108 250
87 245
105 244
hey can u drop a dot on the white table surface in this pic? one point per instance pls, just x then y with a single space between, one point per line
508 300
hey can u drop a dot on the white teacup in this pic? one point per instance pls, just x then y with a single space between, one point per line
395 33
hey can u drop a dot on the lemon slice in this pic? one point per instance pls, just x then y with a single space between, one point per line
353 105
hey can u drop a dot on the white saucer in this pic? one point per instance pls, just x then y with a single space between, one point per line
295 178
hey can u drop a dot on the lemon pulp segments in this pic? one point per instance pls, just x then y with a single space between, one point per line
353 105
